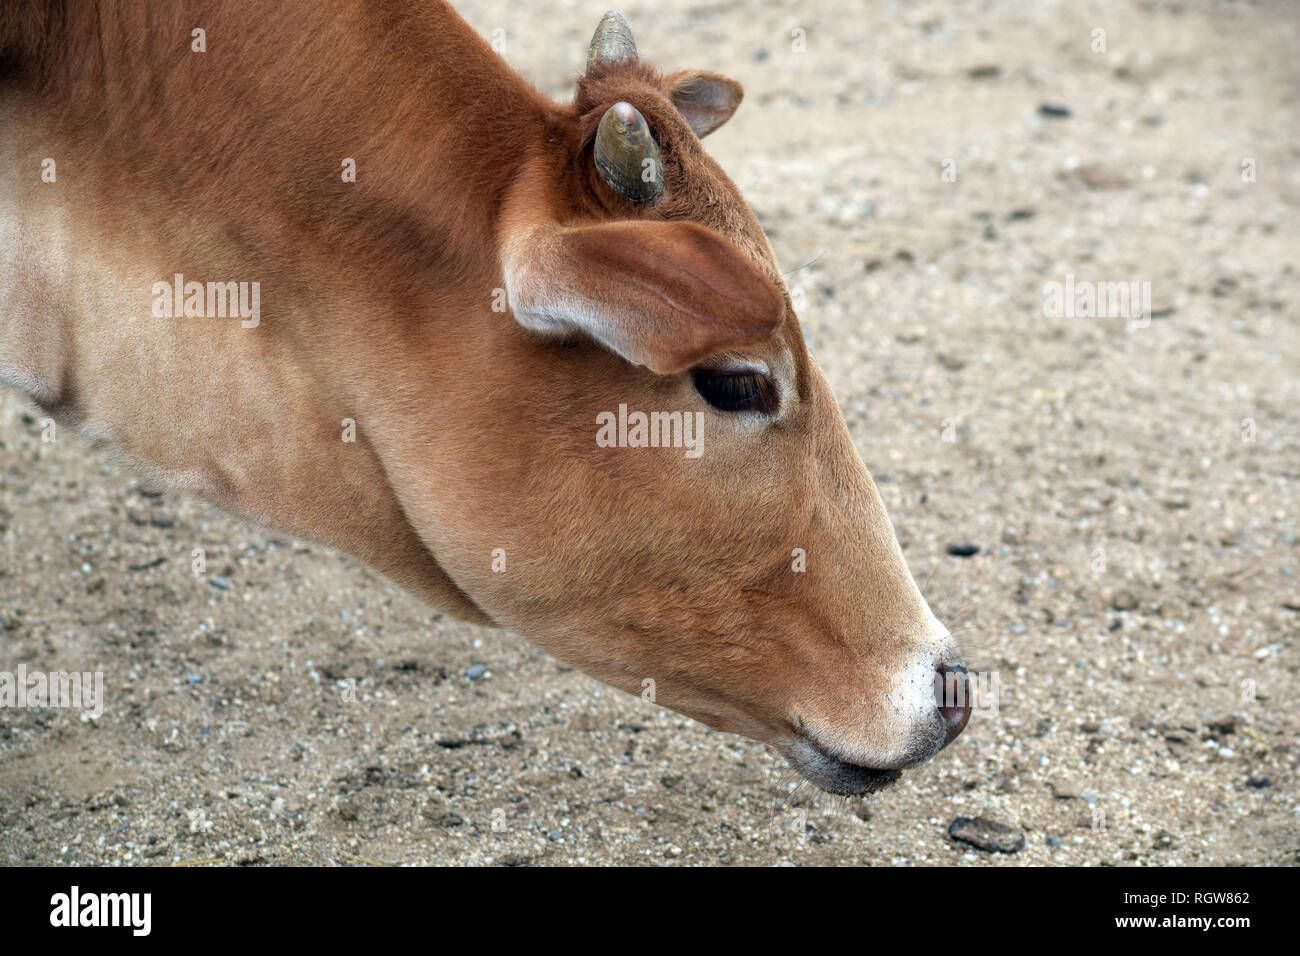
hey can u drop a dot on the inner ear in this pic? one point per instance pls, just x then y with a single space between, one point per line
704 98
666 295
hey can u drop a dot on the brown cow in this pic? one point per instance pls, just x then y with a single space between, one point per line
190 275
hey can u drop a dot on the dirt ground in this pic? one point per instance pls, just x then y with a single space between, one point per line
924 169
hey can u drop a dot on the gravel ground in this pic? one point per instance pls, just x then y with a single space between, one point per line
1134 588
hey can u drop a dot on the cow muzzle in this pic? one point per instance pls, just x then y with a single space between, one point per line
834 769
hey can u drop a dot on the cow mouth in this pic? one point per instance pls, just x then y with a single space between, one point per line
834 775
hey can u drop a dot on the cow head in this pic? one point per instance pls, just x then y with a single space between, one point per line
746 573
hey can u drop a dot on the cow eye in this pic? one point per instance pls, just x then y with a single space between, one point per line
744 391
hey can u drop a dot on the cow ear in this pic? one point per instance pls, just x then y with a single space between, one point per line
706 99
661 294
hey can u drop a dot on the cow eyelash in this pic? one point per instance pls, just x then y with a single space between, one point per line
741 391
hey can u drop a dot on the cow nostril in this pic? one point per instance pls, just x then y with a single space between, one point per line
952 695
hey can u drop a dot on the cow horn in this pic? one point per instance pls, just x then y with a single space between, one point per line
627 155
612 41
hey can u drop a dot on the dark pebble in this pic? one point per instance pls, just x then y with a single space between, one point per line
1054 110
1224 726
963 550
985 834
438 813
1259 783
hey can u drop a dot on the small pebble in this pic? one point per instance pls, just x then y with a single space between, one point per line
985 834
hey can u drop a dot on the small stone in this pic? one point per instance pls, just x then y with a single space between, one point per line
437 812
1065 789
963 550
1224 726
985 834
476 671
1124 601
1054 110
1099 176
138 516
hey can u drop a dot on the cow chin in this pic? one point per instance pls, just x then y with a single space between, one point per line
818 764
835 775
